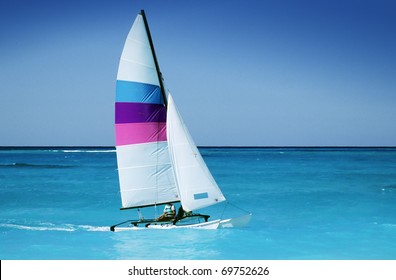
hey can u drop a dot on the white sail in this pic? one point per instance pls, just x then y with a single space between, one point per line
145 174
137 62
196 185
144 167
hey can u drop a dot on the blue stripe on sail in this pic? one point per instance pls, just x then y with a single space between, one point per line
138 92
201 195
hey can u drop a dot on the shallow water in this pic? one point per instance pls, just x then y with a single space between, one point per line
307 203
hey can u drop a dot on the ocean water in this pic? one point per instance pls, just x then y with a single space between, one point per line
307 203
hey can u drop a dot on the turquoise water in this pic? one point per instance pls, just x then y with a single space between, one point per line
307 203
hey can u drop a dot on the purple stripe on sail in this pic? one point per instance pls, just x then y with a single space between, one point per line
128 112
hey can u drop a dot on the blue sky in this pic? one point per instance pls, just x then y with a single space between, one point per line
262 73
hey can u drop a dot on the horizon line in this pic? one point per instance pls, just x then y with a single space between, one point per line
204 146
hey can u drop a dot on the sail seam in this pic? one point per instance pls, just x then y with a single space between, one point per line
141 188
143 166
139 42
139 63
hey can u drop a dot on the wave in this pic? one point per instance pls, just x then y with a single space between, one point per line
388 189
84 151
32 165
390 225
393 186
53 227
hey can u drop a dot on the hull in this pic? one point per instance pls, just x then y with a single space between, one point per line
205 225
237 222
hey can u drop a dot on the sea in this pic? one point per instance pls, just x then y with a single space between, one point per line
307 203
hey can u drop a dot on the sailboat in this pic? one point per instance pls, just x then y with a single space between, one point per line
158 162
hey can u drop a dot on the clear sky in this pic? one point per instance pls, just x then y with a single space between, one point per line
246 72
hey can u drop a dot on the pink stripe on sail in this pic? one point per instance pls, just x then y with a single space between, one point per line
137 133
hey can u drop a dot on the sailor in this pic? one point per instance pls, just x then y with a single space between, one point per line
168 214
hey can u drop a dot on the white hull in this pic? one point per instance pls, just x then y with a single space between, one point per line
215 224
206 225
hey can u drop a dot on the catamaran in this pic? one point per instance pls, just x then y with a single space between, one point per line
158 162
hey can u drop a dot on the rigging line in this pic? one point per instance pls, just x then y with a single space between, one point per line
157 169
244 210
222 213
156 172
141 218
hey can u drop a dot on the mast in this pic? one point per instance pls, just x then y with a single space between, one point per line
155 58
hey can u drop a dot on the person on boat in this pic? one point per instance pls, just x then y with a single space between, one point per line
182 213
168 214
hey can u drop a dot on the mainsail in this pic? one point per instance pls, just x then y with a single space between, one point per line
145 172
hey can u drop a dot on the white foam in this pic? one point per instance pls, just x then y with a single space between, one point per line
94 228
38 228
52 227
